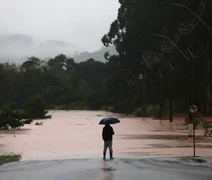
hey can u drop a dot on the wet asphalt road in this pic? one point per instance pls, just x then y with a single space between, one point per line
121 169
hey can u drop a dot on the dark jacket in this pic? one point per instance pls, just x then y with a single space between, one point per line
107 133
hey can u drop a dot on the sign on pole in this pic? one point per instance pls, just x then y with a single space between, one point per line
193 108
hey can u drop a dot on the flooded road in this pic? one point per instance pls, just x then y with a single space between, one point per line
77 134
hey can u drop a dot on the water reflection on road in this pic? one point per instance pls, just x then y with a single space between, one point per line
108 172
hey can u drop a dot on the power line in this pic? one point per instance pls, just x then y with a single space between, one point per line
169 45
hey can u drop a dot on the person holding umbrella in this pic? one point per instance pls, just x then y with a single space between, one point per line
107 135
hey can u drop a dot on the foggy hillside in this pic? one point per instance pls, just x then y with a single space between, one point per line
18 47
97 55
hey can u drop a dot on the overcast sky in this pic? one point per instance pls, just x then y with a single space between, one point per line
82 22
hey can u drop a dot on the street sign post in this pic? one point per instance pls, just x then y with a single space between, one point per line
193 108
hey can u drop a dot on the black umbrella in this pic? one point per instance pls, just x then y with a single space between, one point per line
109 121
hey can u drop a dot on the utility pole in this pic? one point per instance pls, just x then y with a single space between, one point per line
170 112
190 115
171 102
208 80
161 96
144 93
191 127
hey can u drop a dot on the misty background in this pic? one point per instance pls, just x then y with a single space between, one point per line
46 28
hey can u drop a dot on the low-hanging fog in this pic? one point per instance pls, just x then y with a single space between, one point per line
46 28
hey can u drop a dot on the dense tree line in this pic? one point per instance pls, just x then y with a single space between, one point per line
155 42
58 83
158 39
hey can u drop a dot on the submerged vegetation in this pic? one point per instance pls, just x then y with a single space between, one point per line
9 158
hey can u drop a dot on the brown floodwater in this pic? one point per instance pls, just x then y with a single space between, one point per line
77 134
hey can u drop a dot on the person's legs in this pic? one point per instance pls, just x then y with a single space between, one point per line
105 149
110 144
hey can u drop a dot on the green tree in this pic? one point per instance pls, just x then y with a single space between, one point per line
131 34
11 118
35 107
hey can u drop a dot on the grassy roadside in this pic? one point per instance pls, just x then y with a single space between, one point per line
7 158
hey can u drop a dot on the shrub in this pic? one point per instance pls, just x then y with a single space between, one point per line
110 108
77 106
60 107
153 111
196 121
11 118
35 107
207 126
141 112
138 112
